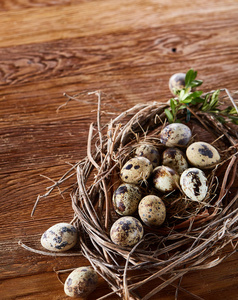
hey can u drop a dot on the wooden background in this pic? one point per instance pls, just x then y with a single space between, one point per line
126 49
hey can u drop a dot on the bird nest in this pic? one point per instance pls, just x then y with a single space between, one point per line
194 233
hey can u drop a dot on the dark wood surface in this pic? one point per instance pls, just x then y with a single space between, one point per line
126 49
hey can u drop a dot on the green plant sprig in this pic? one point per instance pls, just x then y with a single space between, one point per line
208 103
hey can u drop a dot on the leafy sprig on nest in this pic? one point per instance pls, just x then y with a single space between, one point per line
209 103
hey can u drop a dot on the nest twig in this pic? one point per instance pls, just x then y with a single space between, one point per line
194 234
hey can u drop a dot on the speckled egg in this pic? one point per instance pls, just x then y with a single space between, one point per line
136 170
175 159
175 135
202 155
126 231
126 198
59 237
150 152
81 282
194 184
152 210
177 82
165 179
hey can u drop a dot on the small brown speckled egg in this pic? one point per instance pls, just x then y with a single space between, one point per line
150 152
202 155
175 135
136 170
194 184
81 282
177 82
152 210
126 231
126 198
59 237
175 159
165 179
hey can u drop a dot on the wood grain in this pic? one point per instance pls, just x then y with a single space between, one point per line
128 50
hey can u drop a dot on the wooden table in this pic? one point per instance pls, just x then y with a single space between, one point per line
126 49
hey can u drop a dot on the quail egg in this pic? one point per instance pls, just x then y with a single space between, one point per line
126 231
194 184
126 198
177 83
81 282
202 155
59 237
150 152
175 135
165 179
136 170
175 159
152 210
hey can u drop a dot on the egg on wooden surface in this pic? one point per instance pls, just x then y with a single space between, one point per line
177 82
136 170
202 155
81 282
175 159
165 179
126 198
150 152
59 237
152 210
194 184
175 135
126 231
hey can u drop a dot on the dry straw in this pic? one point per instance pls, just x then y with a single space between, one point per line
194 234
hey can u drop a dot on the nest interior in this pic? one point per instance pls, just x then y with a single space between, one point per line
194 233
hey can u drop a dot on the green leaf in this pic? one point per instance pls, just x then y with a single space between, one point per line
197 100
214 99
233 111
190 76
173 104
196 83
169 115
196 94
182 107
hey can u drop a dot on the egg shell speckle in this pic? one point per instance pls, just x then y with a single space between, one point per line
81 282
150 152
126 231
136 170
202 155
165 179
194 184
175 159
126 198
59 237
176 82
152 210
175 135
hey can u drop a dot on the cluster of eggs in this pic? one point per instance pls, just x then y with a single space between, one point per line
178 169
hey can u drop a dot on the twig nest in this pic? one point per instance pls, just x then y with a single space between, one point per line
175 135
176 82
152 210
136 170
194 184
81 282
202 155
150 152
126 231
175 159
165 179
59 237
126 198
